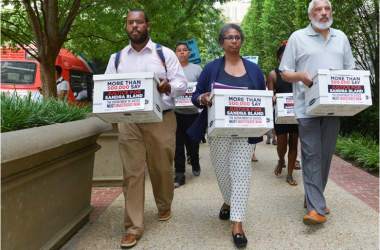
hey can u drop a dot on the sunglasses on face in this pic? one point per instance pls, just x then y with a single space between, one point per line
232 37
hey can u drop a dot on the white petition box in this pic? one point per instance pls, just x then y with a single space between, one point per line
184 102
240 113
338 93
127 97
284 109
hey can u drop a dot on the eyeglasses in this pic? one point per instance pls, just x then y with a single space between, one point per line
231 37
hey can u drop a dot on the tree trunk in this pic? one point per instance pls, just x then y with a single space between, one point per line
49 88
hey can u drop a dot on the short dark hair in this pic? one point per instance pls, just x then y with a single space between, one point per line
281 49
58 69
138 10
182 43
225 28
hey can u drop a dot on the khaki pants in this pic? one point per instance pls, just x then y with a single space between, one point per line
151 145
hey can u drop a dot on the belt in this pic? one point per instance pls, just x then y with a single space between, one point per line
166 111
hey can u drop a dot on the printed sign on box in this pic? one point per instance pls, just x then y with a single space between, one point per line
124 95
284 109
240 113
244 111
128 97
184 102
339 93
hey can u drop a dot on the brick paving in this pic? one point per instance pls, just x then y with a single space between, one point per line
356 181
101 198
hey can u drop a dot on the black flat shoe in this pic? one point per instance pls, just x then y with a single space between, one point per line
196 170
240 240
224 213
179 180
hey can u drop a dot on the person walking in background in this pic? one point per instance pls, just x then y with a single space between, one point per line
318 46
230 156
147 144
62 84
184 121
287 134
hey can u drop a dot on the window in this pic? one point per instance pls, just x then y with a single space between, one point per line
81 84
18 72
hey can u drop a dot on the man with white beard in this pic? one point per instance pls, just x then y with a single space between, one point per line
315 47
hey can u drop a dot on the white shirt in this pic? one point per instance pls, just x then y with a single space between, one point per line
309 51
62 85
82 95
147 60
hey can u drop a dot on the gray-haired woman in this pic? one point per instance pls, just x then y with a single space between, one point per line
230 156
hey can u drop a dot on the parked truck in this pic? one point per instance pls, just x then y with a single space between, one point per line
21 73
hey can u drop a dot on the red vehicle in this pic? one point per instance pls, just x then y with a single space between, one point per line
21 72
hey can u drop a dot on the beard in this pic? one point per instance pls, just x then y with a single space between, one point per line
139 39
320 25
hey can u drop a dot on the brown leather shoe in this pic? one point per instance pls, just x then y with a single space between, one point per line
128 241
165 215
313 218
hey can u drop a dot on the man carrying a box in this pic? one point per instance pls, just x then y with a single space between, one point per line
315 47
185 119
147 144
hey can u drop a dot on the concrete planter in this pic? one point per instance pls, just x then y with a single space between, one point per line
108 170
46 177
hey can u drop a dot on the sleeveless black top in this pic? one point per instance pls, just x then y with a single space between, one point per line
281 85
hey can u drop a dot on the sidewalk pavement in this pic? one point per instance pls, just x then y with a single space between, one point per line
274 218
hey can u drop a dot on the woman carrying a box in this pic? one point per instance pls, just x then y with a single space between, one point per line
230 156
287 134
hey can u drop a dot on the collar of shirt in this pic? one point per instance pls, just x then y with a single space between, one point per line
149 46
59 79
311 32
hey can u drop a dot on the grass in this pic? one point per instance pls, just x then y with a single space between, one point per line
362 150
24 112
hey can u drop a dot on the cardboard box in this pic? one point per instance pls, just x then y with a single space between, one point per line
284 109
338 93
127 97
240 113
183 103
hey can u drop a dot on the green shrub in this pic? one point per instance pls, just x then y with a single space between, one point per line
366 123
360 149
24 112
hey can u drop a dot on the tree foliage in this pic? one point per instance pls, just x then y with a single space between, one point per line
42 27
267 23
252 30
98 32
359 19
